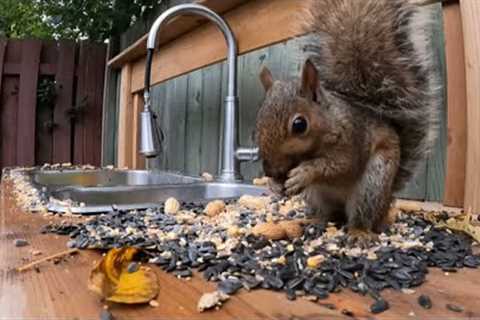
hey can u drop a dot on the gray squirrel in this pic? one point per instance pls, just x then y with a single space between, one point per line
352 129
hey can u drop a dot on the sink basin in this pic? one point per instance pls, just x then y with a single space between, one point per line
105 199
106 178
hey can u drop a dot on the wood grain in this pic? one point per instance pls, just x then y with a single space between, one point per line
470 10
60 290
64 101
275 18
456 106
175 28
3 49
125 124
27 101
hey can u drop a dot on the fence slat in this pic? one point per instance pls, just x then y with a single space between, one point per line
8 120
88 132
456 106
27 102
64 84
80 105
93 126
3 48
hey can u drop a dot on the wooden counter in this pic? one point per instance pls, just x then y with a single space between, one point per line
60 290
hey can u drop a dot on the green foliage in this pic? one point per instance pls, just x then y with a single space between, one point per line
21 19
71 19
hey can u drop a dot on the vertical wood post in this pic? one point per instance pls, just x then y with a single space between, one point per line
456 106
470 10
125 123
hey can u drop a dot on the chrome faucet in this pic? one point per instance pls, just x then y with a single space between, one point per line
150 137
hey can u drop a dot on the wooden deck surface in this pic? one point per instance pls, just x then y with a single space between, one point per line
59 291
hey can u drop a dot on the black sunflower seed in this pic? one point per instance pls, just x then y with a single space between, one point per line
379 306
291 295
229 286
319 292
348 313
471 261
183 273
106 315
425 301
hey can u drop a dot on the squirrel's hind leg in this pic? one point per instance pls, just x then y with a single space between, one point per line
369 203
322 207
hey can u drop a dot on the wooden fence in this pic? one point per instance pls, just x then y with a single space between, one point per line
50 102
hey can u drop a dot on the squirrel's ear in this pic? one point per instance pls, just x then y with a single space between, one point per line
266 78
310 81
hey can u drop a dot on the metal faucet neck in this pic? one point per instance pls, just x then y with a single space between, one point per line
230 170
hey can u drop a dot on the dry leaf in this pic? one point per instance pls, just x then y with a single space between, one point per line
459 223
111 280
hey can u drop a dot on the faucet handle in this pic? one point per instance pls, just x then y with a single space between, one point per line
247 154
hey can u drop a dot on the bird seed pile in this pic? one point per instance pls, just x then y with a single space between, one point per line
263 242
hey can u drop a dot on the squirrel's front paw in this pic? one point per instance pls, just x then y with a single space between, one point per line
361 238
298 179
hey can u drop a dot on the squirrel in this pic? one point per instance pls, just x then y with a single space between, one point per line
351 131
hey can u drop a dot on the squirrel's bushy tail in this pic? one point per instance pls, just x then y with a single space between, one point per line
376 55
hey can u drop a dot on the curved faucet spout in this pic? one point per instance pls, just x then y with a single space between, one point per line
212 16
230 161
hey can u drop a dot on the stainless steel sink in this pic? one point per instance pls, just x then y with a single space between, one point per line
53 179
104 199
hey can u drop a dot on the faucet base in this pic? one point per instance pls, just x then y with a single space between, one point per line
230 177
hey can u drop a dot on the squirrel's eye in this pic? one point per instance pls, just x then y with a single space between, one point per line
299 125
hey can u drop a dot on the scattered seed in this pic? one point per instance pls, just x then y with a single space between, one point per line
133 267
154 303
106 315
379 306
348 313
21 243
211 300
425 301
172 206
454 307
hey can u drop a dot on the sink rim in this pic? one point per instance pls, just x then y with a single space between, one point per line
153 173
97 209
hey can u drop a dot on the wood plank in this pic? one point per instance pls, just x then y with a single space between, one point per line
275 19
193 124
64 78
93 114
212 103
436 160
44 123
456 106
3 49
27 100
470 10
175 105
60 290
252 94
137 158
88 131
125 137
158 100
81 99
8 121
175 28
109 116
46 69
